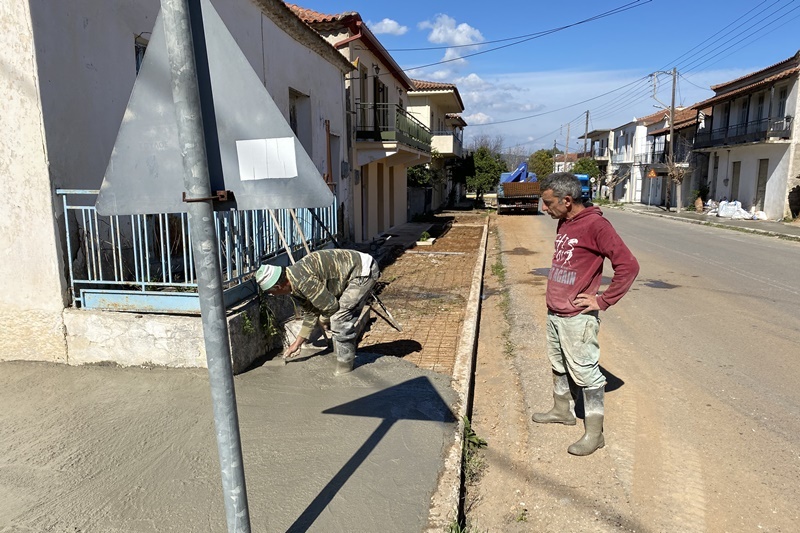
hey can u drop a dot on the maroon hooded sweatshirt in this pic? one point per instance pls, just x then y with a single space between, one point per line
582 244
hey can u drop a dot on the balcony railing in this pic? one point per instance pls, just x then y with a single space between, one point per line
145 262
600 153
623 156
390 122
754 131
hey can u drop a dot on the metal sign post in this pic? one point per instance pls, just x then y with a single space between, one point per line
185 46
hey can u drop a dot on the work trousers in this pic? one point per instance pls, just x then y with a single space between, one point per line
573 348
351 302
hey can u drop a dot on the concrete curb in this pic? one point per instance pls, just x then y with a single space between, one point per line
445 501
717 225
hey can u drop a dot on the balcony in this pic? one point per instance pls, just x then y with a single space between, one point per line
448 143
600 153
623 156
749 132
391 123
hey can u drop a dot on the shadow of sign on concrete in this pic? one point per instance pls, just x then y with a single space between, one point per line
415 399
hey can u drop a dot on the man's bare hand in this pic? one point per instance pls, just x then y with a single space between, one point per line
293 350
587 301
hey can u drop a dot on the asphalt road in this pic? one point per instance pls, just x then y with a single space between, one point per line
706 345
702 428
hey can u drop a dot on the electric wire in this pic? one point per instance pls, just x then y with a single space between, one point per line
548 32
529 36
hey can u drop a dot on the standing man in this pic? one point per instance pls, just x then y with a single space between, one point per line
584 239
332 287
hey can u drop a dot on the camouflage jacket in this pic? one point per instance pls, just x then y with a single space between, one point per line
318 280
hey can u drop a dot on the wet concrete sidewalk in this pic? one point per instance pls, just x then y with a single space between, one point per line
107 449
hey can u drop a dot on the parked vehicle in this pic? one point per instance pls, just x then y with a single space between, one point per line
586 187
518 191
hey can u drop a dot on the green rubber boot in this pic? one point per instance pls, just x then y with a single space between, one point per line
592 439
561 413
345 357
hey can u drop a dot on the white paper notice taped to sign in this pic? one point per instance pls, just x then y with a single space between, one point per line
261 159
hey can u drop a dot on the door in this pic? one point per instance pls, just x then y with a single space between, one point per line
761 186
737 168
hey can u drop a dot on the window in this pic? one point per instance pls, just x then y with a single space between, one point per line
782 102
300 117
743 111
760 107
139 47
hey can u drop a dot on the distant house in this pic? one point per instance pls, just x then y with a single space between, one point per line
693 164
629 153
601 142
565 162
69 69
751 139
439 106
388 139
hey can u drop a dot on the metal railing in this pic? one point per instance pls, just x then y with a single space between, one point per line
390 122
152 254
598 152
753 131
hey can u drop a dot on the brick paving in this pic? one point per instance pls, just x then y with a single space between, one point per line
427 293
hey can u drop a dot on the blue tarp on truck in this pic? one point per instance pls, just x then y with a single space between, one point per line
518 191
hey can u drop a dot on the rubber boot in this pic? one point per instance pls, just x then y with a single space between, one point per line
593 422
561 413
345 357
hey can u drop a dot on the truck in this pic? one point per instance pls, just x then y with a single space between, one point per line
518 191
586 188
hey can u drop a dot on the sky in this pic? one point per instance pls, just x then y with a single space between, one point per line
528 69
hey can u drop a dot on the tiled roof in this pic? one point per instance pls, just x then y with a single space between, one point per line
309 16
684 118
747 88
658 116
455 117
422 85
796 56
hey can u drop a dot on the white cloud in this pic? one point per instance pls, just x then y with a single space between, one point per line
387 26
445 30
477 118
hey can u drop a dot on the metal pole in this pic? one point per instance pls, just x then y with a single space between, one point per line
672 138
184 40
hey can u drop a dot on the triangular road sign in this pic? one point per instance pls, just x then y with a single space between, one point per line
260 160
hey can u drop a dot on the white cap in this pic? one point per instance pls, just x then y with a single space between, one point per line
267 276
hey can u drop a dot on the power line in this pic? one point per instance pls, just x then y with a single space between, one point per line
536 36
528 36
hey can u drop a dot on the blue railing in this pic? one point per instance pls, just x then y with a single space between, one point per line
146 263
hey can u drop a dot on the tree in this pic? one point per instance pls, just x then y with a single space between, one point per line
488 167
425 175
677 169
541 163
586 165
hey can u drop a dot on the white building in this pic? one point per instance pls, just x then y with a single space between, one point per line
439 106
388 139
751 139
68 71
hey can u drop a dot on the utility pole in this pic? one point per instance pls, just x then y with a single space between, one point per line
566 149
586 133
671 154
554 155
